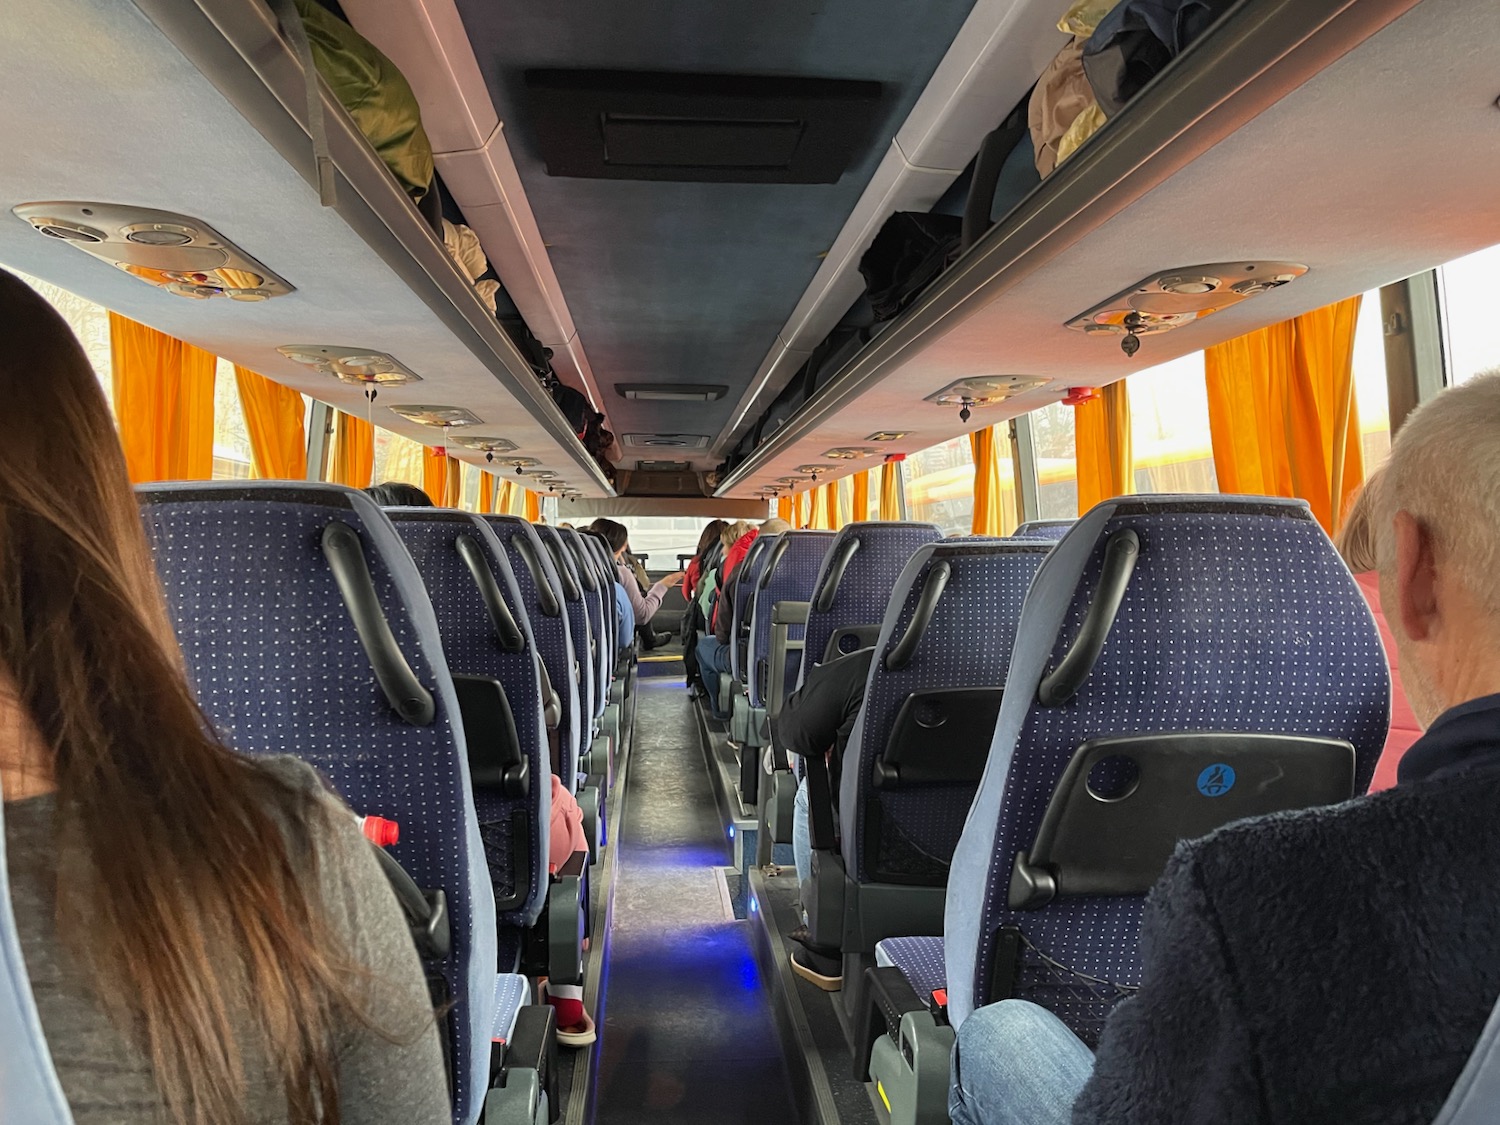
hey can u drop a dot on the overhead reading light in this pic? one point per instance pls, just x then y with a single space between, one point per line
814 471
359 366
521 464
672 392
848 453
986 390
484 443
887 435
182 255
1176 297
441 417
791 482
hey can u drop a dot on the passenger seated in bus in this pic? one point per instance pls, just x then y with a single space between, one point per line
208 937
699 570
624 613
713 650
399 494
1335 964
1356 543
707 598
815 722
644 604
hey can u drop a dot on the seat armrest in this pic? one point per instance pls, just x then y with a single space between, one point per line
529 1068
888 997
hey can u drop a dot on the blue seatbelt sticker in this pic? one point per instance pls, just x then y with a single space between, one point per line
1216 780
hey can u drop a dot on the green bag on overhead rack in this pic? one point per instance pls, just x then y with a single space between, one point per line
374 93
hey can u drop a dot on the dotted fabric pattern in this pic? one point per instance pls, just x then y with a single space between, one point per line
279 669
791 581
864 591
581 635
599 559
593 600
1240 616
966 644
554 640
512 991
745 575
1043 529
920 960
472 649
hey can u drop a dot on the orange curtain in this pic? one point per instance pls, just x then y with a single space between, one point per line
505 498
1102 446
859 497
353 451
435 476
1282 412
533 512
804 510
833 518
786 507
164 403
890 490
817 509
273 418
453 495
992 515
487 484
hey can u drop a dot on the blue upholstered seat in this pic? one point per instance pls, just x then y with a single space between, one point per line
599 601
475 647
1043 529
580 629
854 583
745 575
29 1089
787 575
1238 617
280 667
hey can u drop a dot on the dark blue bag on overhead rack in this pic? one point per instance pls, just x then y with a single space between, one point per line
1137 39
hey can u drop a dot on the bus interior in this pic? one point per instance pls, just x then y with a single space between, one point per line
998 305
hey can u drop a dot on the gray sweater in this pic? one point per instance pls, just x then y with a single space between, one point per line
107 1080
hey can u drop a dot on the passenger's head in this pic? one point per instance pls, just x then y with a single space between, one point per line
613 534
1356 539
1438 535
399 494
179 897
710 536
735 532
774 526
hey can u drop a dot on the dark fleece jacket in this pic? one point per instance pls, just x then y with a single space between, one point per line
1334 965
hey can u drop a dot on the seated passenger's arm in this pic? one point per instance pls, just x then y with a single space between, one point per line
1179 1052
809 720
380 1081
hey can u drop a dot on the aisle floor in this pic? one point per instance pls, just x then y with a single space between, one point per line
689 1035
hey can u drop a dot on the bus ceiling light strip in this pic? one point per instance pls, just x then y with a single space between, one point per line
359 366
983 390
1172 298
440 417
180 254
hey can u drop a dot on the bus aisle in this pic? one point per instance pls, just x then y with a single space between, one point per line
687 1032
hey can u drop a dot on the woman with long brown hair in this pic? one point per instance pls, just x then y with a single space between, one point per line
208 937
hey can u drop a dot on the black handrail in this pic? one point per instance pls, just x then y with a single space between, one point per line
546 596
836 573
1120 556
776 552
933 585
346 559
507 632
564 575
586 573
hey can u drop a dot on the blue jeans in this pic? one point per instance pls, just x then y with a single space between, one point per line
1016 1064
801 840
713 659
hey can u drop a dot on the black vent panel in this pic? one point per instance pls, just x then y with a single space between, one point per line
703 128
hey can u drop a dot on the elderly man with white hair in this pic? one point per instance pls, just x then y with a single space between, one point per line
1337 964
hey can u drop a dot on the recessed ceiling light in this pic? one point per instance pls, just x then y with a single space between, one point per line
484 443
441 417
813 470
848 453
793 481
359 366
672 392
888 435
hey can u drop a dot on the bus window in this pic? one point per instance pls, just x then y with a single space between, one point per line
232 459
89 322
1056 465
1169 428
1469 296
663 538
940 485
1370 394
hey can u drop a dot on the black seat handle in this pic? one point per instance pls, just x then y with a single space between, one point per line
776 552
1120 556
564 575
346 559
836 570
585 569
546 597
507 632
933 584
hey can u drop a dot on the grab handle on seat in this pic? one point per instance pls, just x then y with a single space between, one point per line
346 559
1120 556
507 632
585 569
565 576
776 552
546 596
933 585
836 573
